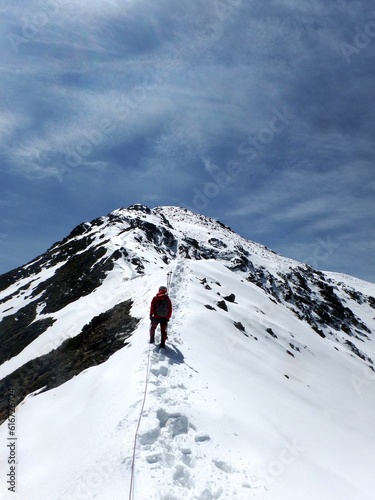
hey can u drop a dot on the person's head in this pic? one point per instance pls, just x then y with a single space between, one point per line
163 289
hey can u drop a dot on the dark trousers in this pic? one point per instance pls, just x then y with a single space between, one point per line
163 322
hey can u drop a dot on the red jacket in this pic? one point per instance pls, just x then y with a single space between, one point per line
154 302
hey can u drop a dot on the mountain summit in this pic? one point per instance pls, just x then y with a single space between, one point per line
265 389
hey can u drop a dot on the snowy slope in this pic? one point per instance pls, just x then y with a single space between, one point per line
254 398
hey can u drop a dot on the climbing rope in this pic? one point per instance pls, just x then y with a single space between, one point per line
131 489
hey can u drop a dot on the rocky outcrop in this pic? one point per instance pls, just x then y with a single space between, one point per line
102 337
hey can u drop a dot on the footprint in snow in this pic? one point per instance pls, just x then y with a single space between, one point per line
160 370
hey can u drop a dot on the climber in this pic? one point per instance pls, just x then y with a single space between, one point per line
160 313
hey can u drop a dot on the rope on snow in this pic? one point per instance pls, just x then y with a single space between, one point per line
131 489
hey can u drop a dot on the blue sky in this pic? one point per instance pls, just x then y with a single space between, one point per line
259 114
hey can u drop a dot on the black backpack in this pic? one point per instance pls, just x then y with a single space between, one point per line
162 307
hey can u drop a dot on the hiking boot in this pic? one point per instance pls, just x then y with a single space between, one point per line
152 339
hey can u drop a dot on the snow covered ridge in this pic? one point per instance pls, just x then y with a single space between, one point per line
246 322
138 241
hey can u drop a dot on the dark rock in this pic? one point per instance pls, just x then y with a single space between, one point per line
271 332
239 326
19 330
222 305
98 340
137 207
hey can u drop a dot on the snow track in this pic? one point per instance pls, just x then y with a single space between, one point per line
175 458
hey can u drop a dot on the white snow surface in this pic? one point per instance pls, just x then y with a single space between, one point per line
220 414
